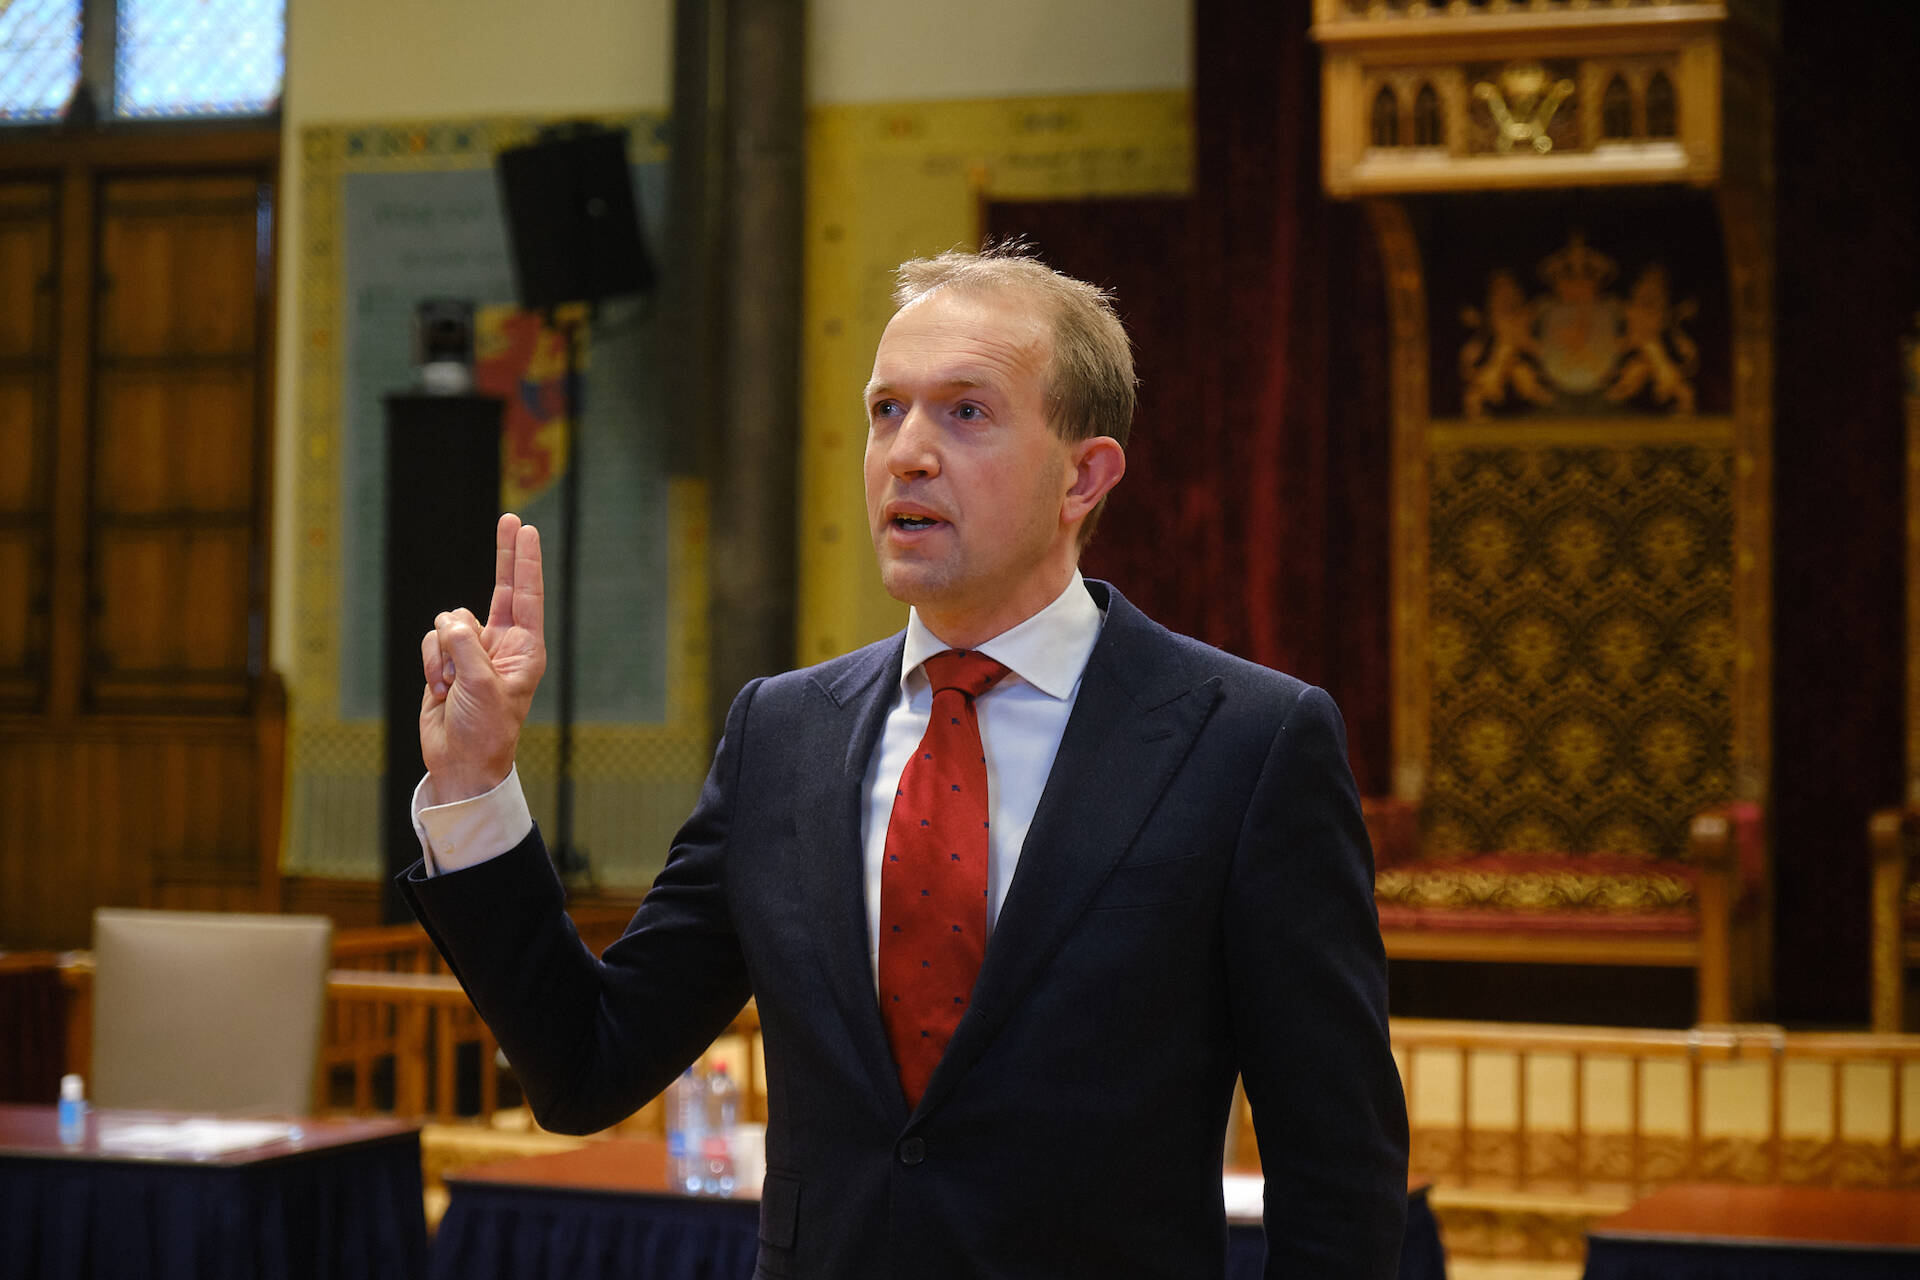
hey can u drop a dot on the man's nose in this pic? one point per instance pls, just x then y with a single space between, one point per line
913 450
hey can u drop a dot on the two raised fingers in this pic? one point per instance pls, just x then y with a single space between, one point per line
519 591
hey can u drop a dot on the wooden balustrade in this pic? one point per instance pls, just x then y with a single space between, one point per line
416 1025
1493 1106
413 1026
1576 1108
393 948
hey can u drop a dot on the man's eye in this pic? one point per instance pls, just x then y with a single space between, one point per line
969 412
885 408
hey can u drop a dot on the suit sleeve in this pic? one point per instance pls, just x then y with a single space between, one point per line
1309 999
592 1038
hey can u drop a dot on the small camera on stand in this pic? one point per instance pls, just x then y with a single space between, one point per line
443 346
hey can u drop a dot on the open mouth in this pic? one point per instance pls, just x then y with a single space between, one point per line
914 522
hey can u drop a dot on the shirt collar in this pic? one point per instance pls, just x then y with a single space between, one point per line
1048 650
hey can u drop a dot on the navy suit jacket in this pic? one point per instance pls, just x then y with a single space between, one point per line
1193 900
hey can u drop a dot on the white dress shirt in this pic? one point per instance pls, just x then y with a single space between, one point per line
1022 719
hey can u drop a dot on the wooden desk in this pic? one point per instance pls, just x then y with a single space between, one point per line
604 1212
1772 1232
339 1200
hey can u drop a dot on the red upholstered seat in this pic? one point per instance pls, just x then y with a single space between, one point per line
1594 907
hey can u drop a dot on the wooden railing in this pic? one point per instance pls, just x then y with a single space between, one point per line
1541 1108
393 948
394 1012
1493 1106
415 1026
409 1026
405 948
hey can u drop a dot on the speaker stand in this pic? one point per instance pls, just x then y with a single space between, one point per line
569 859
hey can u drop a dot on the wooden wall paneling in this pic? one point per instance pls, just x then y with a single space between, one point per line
16 833
121 847
27 211
179 256
169 789
146 814
176 465
351 904
73 408
141 764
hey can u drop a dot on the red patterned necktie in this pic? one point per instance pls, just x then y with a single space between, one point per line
933 884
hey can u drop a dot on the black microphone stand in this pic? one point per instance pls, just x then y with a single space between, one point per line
568 859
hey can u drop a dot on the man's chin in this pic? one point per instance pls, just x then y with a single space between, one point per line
911 583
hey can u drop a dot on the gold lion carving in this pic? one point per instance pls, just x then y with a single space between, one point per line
1503 349
1652 323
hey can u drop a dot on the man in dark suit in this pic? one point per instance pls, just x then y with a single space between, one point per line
1019 891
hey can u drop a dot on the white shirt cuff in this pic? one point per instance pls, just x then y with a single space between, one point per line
467 832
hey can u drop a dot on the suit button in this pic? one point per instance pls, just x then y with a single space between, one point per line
913 1151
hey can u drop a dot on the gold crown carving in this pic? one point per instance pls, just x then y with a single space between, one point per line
1577 264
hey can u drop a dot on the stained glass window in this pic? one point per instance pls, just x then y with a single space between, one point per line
199 57
39 58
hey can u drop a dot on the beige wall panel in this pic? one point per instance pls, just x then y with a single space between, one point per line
887 50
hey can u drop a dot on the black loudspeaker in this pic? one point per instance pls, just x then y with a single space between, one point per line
572 218
443 501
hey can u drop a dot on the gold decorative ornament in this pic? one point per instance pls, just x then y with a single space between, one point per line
1579 343
1660 356
1523 105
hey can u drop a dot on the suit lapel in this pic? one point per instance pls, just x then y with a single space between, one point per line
1134 721
839 740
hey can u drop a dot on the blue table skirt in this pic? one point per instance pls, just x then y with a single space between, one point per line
1660 1260
511 1233
352 1214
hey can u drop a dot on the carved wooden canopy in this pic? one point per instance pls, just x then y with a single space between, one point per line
1459 95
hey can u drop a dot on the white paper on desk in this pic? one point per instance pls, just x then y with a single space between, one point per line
200 1139
1245 1194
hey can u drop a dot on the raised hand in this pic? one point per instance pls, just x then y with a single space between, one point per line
480 681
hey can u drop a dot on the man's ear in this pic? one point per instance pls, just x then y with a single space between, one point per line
1098 464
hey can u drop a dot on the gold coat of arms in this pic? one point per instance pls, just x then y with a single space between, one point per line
1579 345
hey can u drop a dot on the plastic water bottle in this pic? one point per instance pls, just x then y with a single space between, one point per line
72 1117
723 1106
686 1127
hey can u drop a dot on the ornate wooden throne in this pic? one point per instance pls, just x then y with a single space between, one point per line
1570 199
